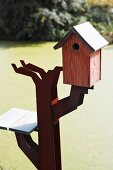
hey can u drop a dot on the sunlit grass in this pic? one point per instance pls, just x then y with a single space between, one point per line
101 2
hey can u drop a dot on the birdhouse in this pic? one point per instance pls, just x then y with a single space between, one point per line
81 53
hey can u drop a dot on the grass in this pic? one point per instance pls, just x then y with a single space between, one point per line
86 134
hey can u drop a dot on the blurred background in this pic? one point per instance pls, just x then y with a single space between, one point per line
40 20
28 31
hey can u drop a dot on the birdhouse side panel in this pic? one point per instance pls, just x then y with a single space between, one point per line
76 62
95 67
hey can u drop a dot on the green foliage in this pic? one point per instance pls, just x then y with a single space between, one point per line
102 19
49 20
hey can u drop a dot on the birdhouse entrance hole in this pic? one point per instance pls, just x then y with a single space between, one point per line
75 46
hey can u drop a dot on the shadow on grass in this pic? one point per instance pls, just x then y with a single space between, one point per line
1 167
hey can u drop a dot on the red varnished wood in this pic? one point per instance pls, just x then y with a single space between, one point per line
47 154
95 67
77 67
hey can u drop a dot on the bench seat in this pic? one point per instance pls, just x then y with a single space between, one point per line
19 120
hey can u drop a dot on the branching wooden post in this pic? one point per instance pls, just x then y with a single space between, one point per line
49 110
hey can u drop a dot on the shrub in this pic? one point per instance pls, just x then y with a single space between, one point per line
50 20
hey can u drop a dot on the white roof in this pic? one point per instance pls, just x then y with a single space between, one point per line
88 33
91 35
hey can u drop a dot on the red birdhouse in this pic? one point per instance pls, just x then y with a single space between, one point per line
81 52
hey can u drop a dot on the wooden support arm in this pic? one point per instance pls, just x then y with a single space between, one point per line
68 104
29 147
24 71
33 68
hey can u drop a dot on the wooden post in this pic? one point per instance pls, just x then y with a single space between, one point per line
49 110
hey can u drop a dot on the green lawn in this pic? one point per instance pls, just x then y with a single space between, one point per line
86 134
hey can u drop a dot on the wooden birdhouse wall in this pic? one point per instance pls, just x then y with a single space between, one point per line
81 65
95 67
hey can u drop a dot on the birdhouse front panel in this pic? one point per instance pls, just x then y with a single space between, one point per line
76 61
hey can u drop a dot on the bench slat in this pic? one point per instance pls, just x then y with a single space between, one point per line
19 120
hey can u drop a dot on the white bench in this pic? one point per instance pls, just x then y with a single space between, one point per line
19 120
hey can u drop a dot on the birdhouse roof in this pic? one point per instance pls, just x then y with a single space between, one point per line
86 32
